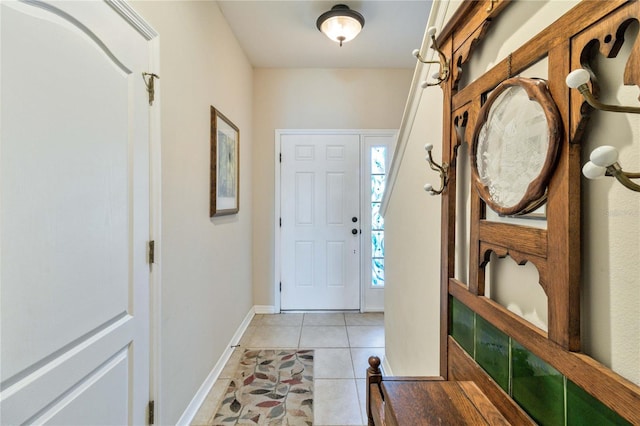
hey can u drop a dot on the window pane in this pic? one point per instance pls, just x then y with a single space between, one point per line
377 244
377 188
378 169
377 221
378 154
377 272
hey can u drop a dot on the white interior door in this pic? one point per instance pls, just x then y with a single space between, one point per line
320 198
74 216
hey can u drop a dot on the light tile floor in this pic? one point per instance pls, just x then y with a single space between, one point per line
343 342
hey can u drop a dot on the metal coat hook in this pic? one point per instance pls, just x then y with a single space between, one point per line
149 84
604 159
443 72
441 169
604 162
578 79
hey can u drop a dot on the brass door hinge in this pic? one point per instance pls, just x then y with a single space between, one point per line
149 83
152 252
152 407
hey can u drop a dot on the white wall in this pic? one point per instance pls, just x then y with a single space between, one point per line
412 230
610 234
310 99
206 264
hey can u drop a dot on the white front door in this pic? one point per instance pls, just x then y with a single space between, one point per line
320 212
74 216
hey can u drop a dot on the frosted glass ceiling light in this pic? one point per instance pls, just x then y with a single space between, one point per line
340 24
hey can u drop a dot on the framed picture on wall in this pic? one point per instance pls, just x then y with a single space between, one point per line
225 166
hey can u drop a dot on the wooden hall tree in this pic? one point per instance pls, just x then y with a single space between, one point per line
472 118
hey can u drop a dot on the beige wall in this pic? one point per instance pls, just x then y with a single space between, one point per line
412 231
310 99
610 235
412 265
206 264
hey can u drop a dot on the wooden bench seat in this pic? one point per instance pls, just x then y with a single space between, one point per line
419 401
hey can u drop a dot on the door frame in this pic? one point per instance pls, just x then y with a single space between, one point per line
277 208
155 202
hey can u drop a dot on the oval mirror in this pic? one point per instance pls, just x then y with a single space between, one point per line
515 146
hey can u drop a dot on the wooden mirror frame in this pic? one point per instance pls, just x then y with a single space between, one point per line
535 194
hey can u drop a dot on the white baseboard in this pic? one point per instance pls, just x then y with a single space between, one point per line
205 388
264 309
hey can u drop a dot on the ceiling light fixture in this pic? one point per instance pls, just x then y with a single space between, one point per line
340 24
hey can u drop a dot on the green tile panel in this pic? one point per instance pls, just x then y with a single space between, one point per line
462 325
492 352
537 387
548 396
585 410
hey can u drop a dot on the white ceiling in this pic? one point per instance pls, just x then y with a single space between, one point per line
283 34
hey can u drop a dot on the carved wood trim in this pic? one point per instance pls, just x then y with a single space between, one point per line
463 53
467 18
526 239
519 257
467 115
606 37
461 123
529 53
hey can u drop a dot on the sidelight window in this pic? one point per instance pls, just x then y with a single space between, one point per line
378 178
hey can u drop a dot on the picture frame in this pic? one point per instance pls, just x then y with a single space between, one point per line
225 166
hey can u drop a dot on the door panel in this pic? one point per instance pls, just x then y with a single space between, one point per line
320 195
304 198
304 263
109 379
336 273
74 163
335 201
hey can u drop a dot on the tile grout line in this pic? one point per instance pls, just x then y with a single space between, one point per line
353 369
263 322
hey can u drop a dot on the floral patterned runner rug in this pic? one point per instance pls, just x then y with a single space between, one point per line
271 387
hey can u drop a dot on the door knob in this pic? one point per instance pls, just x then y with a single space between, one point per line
354 231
